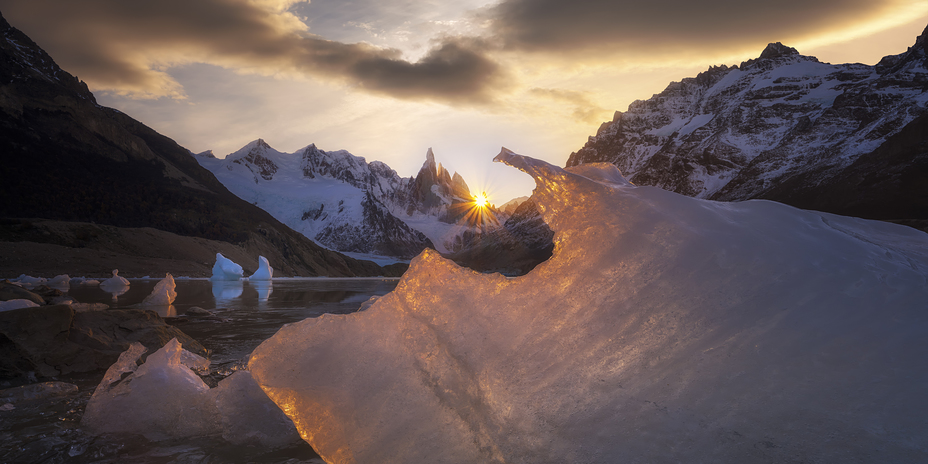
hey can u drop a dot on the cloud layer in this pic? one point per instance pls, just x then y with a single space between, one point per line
670 26
128 47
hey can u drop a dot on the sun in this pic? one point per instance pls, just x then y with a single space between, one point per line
481 200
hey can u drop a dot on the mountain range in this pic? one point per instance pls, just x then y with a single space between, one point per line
848 138
347 204
78 176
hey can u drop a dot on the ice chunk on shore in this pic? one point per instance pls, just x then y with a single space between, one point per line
18 303
163 294
165 399
264 272
662 329
225 269
161 399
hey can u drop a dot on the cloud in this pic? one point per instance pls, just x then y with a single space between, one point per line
126 46
672 27
584 109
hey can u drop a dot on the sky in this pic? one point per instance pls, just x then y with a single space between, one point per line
388 79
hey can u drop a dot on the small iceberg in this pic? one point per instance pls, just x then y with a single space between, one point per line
30 281
264 272
61 282
163 293
225 269
114 282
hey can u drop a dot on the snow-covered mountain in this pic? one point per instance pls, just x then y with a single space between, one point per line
347 204
846 138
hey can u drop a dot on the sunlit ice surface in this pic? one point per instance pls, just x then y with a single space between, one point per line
662 329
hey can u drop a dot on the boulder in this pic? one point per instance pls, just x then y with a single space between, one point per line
55 340
9 291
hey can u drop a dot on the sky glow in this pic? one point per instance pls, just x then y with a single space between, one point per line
387 79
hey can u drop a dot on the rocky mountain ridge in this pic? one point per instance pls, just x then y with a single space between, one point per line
347 203
847 139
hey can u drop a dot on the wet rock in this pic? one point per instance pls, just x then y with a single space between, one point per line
9 291
36 391
196 311
54 340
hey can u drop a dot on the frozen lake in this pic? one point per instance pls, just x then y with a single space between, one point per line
246 313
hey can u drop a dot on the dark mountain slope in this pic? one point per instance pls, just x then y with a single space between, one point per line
65 157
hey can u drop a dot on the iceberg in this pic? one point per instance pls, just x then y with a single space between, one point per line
264 272
662 329
163 294
225 269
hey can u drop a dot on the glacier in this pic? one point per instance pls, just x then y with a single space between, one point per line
663 328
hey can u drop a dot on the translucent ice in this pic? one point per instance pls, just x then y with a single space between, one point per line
30 281
163 294
114 283
60 282
225 269
18 303
164 398
663 329
264 272
161 399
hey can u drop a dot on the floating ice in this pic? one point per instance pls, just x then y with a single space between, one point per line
225 269
164 399
163 294
662 329
114 282
264 272
30 281
61 282
18 303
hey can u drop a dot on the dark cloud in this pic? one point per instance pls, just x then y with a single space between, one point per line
669 26
124 46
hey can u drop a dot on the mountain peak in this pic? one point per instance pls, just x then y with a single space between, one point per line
776 50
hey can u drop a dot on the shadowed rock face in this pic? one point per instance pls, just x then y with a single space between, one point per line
56 340
67 158
847 139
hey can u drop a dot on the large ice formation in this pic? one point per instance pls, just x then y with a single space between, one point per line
225 269
264 272
163 294
663 329
164 399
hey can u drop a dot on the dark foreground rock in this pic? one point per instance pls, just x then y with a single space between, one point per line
55 340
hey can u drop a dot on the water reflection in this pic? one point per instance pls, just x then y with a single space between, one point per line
164 310
264 288
226 290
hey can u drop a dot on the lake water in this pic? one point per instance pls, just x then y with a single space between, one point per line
245 314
